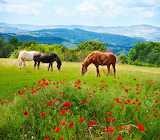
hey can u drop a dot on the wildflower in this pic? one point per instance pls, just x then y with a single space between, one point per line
111 105
60 139
49 104
92 122
109 113
13 95
25 113
147 116
63 112
57 129
156 101
121 127
126 90
137 99
141 127
63 123
19 92
119 138
137 92
46 139
111 129
70 124
43 114
104 130
90 95
56 101
135 120
60 93
110 120
155 115
66 104
81 120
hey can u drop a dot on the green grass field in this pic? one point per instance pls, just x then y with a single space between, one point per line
106 108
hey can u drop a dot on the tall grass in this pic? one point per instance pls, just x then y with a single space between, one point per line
111 108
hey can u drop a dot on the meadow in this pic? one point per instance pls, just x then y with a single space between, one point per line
63 105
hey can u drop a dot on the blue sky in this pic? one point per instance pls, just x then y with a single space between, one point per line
81 12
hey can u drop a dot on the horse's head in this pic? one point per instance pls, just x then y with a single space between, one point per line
84 69
59 63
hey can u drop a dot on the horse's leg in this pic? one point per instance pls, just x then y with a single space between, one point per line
38 64
20 63
113 65
49 66
52 66
108 67
98 74
35 63
24 63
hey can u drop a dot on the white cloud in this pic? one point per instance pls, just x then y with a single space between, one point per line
117 8
20 7
147 14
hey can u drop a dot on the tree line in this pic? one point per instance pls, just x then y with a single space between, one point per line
143 54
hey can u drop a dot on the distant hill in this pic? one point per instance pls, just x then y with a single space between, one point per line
148 32
78 36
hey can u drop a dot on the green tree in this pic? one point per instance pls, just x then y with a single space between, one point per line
123 59
92 46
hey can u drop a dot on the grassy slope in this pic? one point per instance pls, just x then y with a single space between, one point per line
13 79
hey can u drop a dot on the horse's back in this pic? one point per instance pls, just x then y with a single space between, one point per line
104 58
27 55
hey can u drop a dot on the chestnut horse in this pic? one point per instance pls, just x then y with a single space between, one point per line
99 58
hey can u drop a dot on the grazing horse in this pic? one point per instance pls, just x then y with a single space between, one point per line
25 56
98 58
46 58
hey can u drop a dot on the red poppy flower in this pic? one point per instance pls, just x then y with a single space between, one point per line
19 92
92 122
141 127
63 112
57 129
126 90
46 139
111 105
81 120
49 104
135 120
109 113
70 124
25 113
43 114
119 138
110 120
13 95
60 93
121 127
111 129
155 115
63 123
66 104
104 130
90 95
156 101
60 139
86 101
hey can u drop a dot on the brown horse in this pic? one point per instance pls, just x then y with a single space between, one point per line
98 58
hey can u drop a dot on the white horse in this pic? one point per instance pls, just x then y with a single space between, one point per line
25 56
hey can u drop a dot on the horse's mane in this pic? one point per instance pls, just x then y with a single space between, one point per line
90 55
